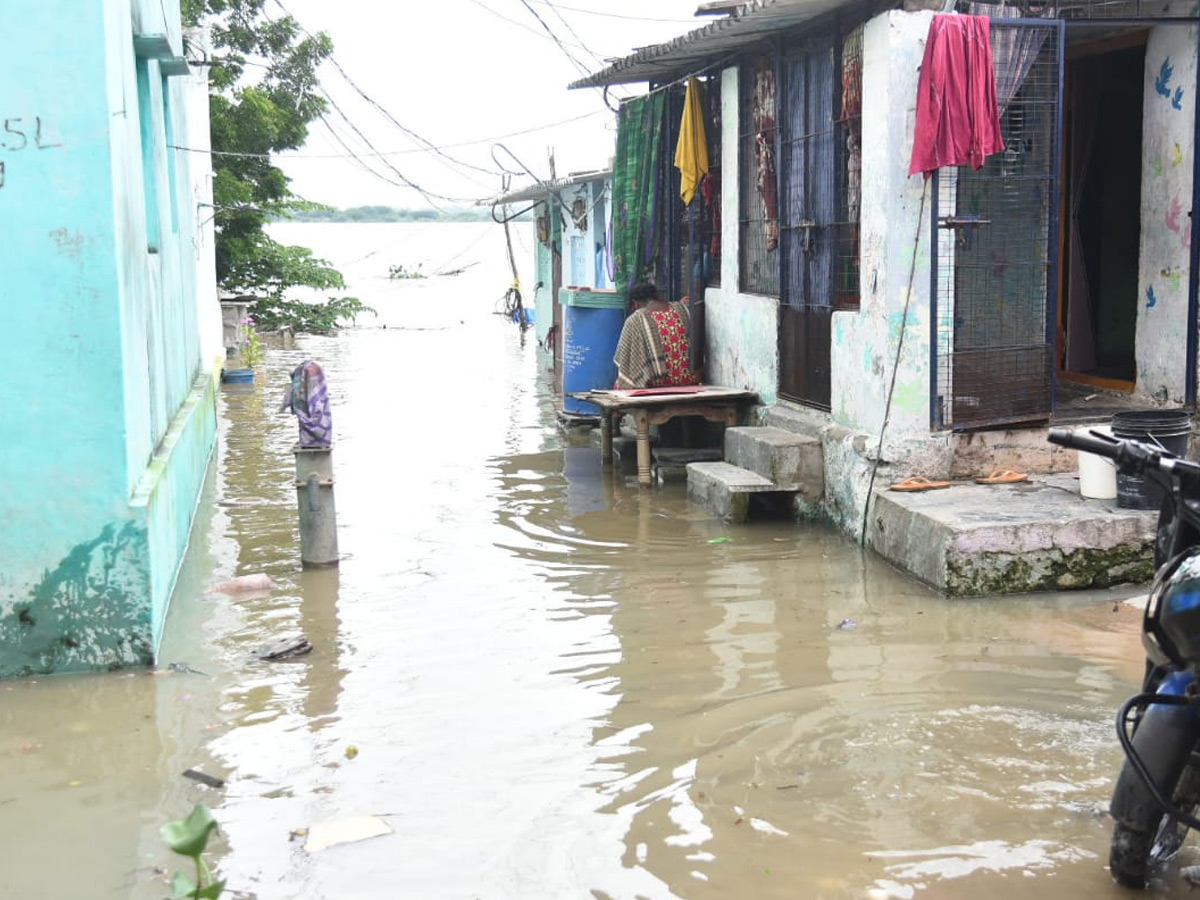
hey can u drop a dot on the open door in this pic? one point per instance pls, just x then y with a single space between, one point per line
1101 210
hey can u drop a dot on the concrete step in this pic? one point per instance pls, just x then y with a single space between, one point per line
1040 535
790 461
724 489
670 463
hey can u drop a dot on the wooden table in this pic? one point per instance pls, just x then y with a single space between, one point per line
717 404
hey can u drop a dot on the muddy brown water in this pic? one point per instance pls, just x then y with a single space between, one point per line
558 685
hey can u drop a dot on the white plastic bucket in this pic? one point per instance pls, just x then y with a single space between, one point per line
1097 475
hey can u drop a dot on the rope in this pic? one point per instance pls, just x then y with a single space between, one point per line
887 409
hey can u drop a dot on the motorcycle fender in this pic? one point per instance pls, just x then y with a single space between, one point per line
1164 740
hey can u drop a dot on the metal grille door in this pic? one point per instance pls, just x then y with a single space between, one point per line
811 217
995 281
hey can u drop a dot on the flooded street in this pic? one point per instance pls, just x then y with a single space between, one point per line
552 684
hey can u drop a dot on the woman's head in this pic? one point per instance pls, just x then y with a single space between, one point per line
643 292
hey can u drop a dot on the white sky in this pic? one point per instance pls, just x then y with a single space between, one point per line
456 71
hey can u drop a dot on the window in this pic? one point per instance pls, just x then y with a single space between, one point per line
149 175
758 214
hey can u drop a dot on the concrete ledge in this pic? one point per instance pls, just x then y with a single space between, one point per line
792 462
724 489
970 540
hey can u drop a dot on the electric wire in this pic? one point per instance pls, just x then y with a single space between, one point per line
432 147
520 25
470 143
561 46
609 15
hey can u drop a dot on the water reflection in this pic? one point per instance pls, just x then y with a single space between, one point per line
558 685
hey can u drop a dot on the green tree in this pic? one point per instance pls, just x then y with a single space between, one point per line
264 93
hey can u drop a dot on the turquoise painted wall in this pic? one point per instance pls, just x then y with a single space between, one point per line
101 317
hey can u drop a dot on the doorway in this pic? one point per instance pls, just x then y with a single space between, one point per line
1101 210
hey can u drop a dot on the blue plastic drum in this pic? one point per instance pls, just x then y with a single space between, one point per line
592 323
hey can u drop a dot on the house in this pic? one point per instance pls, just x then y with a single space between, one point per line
934 326
111 325
572 219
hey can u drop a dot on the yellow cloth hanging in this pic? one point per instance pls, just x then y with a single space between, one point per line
691 153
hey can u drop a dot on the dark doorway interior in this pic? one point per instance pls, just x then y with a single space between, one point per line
1102 212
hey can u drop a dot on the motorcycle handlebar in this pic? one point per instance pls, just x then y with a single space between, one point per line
1134 457
1087 441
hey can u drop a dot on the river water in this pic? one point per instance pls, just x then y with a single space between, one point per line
547 683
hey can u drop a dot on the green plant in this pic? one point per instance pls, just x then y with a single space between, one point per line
251 350
399 271
188 837
272 313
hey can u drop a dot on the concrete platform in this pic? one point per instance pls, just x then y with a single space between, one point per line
792 462
970 539
724 489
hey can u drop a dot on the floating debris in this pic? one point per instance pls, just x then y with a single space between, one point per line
288 648
258 582
344 831
204 778
846 625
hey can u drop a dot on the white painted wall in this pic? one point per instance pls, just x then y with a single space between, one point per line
894 246
1168 155
196 135
742 330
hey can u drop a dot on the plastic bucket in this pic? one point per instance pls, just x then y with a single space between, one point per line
592 323
238 376
1097 474
1169 428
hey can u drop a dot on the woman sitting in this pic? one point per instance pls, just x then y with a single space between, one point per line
653 348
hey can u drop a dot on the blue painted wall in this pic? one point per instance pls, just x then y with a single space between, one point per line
109 409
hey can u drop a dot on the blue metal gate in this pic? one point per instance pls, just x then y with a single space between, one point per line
995 240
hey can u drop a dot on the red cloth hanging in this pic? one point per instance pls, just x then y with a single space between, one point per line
957 117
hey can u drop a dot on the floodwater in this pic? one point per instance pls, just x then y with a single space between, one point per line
550 683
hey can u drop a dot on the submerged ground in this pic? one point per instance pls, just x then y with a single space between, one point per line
552 684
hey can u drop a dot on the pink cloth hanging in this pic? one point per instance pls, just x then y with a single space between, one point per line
957 117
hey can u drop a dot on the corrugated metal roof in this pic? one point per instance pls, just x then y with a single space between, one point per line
545 188
748 24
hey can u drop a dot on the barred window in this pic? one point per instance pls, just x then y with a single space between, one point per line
758 186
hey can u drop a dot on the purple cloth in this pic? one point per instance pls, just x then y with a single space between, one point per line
308 400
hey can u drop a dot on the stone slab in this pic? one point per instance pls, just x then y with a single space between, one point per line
793 462
724 489
970 539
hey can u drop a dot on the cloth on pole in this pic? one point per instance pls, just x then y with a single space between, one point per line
307 398
691 153
958 121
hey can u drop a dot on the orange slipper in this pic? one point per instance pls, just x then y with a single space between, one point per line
918 483
1002 476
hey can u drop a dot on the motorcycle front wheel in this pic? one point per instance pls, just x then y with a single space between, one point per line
1144 837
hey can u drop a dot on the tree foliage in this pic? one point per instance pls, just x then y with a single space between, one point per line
263 95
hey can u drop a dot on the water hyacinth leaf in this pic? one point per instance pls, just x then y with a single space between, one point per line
212 892
189 836
181 886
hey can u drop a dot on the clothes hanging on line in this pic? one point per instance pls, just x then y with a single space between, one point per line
958 122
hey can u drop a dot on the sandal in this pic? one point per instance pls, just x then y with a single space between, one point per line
918 483
1002 476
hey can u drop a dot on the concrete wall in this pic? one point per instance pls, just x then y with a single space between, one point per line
105 360
1168 159
742 330
895 247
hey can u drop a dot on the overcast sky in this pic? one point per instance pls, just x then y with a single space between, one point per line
464 72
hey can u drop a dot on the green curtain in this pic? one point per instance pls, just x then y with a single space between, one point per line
635 178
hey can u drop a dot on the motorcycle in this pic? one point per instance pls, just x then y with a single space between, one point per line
1157 796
